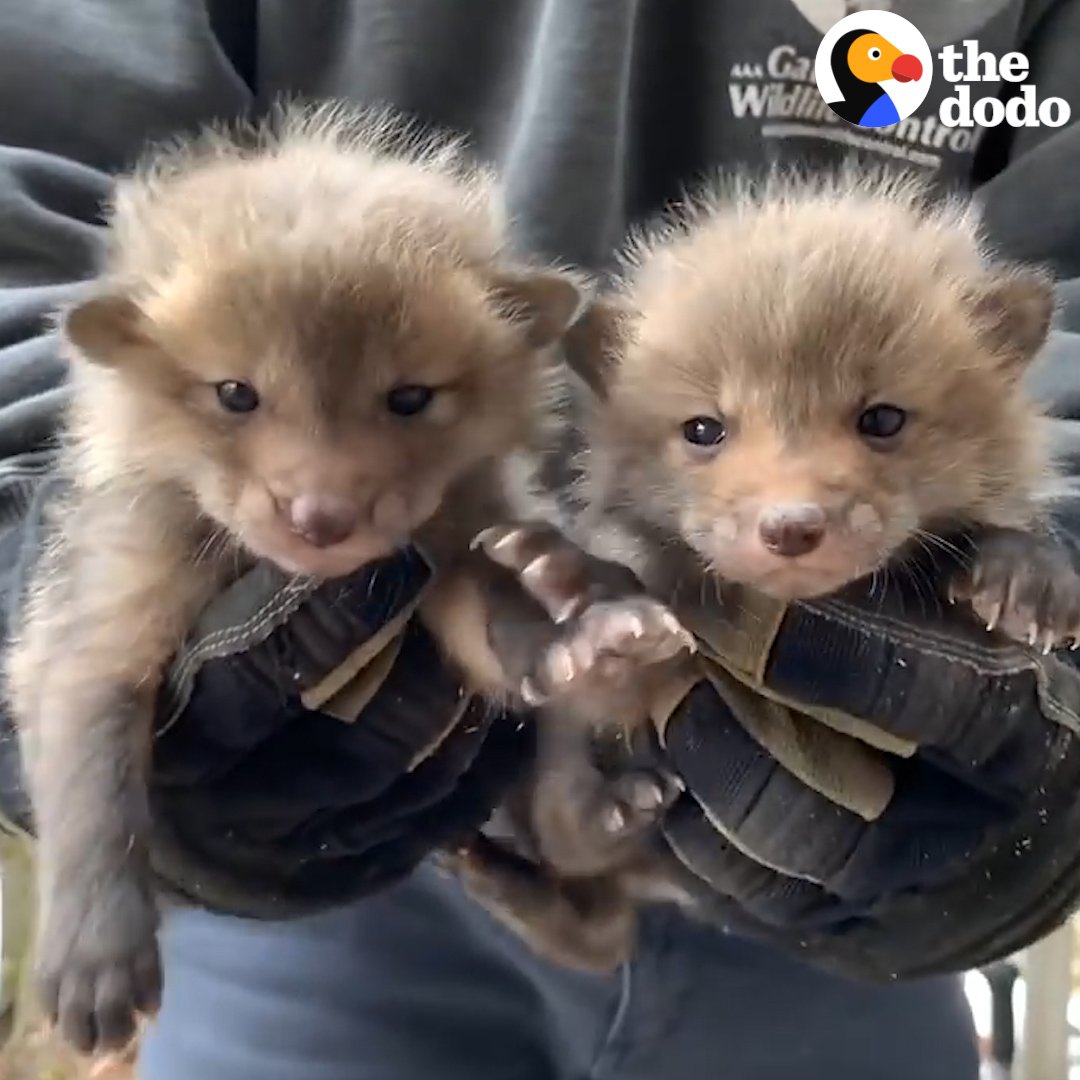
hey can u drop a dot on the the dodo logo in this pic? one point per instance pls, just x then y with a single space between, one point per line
873 68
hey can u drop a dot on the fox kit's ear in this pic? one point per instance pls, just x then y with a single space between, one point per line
544 302
594 344
107 328
1013 312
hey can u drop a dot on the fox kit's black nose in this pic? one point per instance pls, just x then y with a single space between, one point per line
322 520
792 529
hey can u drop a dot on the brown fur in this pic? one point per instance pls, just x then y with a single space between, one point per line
786 309
324 260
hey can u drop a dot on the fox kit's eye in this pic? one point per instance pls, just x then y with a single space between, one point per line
409 400
237 397
704 431
881 421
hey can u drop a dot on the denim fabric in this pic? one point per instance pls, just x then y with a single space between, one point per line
419 983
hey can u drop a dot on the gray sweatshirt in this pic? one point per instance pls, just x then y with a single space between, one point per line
597 111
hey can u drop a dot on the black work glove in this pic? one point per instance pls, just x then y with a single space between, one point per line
922 819
302 760
874 781
310 747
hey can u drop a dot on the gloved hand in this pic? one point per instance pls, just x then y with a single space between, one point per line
877 783
874 780
876 786
300 761
309 746
303 761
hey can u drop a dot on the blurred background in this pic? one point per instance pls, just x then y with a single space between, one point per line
1027 1011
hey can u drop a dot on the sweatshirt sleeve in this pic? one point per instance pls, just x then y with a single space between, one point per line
85 84
1027 177
1031 202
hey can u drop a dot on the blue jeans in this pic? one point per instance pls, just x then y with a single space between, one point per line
420 984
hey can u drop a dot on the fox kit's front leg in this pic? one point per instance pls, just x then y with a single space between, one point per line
113 593
616 647
529 617
545 621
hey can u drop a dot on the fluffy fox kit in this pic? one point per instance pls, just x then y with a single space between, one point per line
792 386
797 382
307 339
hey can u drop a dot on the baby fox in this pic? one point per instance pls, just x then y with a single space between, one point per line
309 345
793 386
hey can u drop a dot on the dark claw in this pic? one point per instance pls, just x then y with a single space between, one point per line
74 1013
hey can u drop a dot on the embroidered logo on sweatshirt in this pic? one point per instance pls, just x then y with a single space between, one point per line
873 69
776 93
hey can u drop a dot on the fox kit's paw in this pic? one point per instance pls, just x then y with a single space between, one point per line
587 823
606 645
1025 586
610 628
634 802
586 924
98 966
